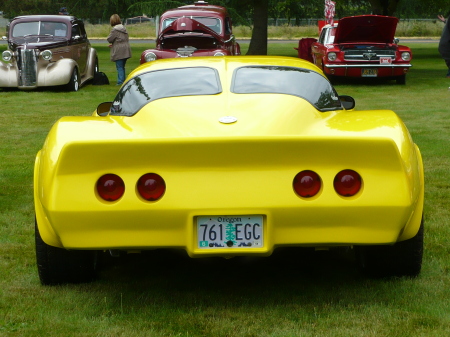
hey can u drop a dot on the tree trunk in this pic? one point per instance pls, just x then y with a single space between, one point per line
258 43
384 7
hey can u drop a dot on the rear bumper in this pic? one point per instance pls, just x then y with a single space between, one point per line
176 228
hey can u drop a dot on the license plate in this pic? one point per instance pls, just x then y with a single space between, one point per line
230 231
369 72
385 60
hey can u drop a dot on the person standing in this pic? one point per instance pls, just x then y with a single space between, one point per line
444 44
120 46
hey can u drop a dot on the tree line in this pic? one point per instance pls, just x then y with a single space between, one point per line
242 11
254 13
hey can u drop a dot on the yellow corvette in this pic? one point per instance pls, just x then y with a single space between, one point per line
228 156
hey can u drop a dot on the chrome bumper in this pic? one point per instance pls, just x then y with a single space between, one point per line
368 65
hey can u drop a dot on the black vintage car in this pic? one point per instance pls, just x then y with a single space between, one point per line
47 50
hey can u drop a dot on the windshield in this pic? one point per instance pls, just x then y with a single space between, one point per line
48 28
154 85
212 23
303 83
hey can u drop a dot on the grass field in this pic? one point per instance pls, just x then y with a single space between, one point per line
166 294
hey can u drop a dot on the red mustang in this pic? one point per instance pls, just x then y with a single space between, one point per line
361 46
195 30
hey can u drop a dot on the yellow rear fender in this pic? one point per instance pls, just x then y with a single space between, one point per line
413 225
45 229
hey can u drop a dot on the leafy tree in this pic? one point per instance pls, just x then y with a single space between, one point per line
155 7
384 7
14 8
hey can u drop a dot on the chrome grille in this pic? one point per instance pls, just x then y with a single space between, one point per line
28 68
368 54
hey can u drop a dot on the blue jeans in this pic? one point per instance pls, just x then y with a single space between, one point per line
120 66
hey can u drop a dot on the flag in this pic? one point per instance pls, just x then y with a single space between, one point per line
329 11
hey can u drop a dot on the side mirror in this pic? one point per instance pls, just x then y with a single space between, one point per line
104 108
396 40
232 38
348 102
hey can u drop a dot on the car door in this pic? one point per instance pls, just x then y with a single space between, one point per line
79 46
318 48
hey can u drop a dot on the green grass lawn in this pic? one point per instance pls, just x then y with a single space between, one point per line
166 294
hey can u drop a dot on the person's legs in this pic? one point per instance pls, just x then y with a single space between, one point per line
120 66
447 62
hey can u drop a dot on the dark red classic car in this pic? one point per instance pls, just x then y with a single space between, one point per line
361 46
194 30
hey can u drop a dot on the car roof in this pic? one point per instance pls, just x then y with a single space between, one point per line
56 18
196 9
225 63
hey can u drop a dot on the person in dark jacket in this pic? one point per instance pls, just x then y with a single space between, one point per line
444 45
120 46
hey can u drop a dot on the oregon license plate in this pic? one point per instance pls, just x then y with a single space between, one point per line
230 231
369 72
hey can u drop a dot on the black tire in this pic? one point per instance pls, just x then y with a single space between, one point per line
401 259
401 79
59 266
74 83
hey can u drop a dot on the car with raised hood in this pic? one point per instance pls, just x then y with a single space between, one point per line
362 47
47 50
225 157
200 29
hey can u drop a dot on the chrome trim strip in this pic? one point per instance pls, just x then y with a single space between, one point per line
368 65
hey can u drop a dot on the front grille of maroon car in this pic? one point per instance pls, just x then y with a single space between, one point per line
28 68
367 54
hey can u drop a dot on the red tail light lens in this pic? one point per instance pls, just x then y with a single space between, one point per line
307 184
151 186
110 187
347 183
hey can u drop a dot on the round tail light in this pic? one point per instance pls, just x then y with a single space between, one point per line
110 187
151 186
307 184
347 183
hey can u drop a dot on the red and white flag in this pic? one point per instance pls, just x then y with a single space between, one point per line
329 11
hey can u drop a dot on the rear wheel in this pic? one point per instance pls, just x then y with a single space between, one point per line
401 259
74 83
58 265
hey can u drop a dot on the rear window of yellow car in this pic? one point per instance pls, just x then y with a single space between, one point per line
191 81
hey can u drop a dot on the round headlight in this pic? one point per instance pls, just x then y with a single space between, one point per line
219 53
406 56
150 57
47 55
332 56
7 55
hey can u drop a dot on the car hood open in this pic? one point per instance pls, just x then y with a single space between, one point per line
184 25
366 28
